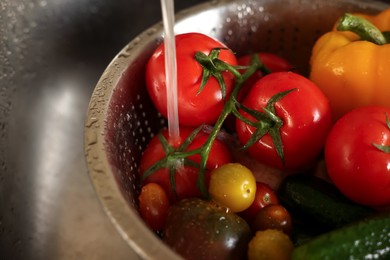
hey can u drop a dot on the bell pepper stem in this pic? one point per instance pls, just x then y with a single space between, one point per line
362 27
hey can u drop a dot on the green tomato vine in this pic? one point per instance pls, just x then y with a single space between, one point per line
265 122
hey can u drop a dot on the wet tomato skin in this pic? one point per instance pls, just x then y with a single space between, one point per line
270 244
185 177
273 217
306 116
233 185
194 108
265 195
359 169
272 61
199 229
153 205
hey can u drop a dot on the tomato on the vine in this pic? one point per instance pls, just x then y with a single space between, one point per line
294 120
185 176
195 105
357 155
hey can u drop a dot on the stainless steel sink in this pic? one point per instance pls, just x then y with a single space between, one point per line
52 53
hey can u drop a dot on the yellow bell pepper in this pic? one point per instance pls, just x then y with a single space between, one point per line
352 67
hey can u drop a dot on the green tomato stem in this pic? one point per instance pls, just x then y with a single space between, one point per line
384 148
229 107
212 67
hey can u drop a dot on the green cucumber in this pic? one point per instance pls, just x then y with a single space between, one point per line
318 203
364 239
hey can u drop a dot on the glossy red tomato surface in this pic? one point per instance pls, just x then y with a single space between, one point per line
264 196
194 108
185 177
357 167
306 117
153 205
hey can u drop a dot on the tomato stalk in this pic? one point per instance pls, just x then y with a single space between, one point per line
384 148
268 121
212 66
362 27
230 105
174 158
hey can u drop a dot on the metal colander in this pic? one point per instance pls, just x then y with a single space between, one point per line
121 118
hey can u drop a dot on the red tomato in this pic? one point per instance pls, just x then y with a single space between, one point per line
358 168
264 196
273 217
273 62
153 205
194 109
304 112
186 176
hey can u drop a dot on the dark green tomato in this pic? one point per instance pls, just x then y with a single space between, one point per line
198 229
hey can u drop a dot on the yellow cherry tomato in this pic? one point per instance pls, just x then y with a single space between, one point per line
270 244
233 186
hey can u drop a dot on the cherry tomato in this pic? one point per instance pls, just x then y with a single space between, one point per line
355 163
305 116
270 244
153 205
233 186
272 61
186 176
194 108
198 229
264 196
273 217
